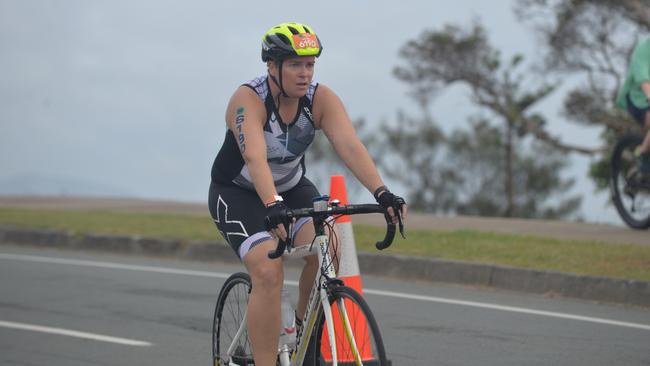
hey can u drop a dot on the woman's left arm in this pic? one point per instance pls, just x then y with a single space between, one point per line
332 118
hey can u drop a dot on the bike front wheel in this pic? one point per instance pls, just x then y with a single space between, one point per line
356 333
229 330
630 193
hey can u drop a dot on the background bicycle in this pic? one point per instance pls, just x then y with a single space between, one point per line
630 193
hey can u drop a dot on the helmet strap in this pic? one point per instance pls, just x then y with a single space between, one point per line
282 93
279 84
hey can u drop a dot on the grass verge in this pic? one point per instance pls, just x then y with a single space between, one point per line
581 257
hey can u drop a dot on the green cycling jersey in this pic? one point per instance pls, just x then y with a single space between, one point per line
638 72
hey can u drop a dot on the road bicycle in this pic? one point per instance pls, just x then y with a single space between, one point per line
630 193
338 327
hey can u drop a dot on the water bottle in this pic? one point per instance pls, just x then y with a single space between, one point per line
288 322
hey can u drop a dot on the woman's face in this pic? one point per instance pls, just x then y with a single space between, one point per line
297 73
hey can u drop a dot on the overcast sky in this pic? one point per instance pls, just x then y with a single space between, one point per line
126 98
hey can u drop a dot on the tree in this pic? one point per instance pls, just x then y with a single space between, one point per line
477 156
438 59
463 173
412 156
594 40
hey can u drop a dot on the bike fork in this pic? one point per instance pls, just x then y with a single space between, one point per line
327 310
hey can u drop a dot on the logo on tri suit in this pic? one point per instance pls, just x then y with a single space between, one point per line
226 226
308 112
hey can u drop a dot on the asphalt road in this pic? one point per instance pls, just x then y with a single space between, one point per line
159 313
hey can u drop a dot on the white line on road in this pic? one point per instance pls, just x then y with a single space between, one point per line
112 265
512 309
74 333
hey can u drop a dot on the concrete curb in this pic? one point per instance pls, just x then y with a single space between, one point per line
396 266
508 278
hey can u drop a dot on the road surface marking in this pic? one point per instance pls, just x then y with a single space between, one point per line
512 309
112 265
74 333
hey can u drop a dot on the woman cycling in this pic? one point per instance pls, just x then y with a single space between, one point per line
260 169
634 96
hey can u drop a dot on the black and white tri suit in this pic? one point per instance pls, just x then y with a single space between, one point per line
234 204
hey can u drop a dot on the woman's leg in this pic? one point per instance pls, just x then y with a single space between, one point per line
645 146
644 158
264 304
301 196
305 236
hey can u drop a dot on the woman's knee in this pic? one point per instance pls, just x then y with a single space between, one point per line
268 277
265 273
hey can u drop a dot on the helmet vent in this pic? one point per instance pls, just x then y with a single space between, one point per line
293 30
308 30
284 38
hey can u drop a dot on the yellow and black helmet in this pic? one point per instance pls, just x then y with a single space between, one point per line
289 40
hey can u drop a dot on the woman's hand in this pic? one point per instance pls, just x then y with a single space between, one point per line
275 219
392 204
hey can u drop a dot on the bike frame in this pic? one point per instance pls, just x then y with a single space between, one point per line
318 299
322 214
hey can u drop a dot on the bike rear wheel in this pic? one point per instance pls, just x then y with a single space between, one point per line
357 335
229 314
630 194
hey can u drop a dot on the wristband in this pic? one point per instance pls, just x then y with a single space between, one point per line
379 190
276 198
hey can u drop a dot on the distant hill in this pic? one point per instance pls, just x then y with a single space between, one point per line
43 185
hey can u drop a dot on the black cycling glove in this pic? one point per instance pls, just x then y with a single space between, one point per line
276 213
387 199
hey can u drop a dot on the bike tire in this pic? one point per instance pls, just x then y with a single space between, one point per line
624 193
228 315
366 332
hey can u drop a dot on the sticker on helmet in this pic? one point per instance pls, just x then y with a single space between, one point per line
305 40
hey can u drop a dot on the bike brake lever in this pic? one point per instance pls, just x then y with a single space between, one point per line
277 253
401 224
282 244
390 233
288 243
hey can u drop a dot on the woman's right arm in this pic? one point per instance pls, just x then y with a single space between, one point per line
245 117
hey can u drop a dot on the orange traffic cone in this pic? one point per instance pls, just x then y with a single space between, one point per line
350 274
348 262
